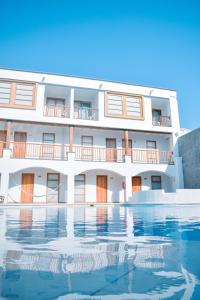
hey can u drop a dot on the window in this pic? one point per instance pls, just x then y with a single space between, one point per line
17 94
87 151
49 138
156 182
53 187
124 105
56 101
48 150
79 188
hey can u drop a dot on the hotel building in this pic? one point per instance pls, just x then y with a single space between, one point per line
67 139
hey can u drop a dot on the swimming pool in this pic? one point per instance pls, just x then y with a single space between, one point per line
136 252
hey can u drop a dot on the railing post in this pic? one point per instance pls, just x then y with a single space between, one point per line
71 109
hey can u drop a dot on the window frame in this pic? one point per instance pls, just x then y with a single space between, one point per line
157 181
124 114
12 101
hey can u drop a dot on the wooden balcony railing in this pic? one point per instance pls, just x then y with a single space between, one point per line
59 111
98 154
152 156
164 121
40 151
86 114
2 146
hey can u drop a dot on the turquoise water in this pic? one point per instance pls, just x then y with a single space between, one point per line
138 252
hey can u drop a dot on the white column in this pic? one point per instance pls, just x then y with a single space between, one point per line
70 189
101 106
4 185
128 191
72 103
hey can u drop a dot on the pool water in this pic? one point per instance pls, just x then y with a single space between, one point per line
133 252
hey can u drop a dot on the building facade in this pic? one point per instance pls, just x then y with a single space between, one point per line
189 145
77 140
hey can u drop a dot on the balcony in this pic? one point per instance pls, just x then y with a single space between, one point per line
164 121
152 156
91 154
40 151
98 154
85 113
58 111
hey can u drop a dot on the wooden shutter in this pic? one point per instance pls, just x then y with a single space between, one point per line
5 92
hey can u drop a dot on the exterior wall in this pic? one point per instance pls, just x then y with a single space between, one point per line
45 81
160 197
189 145
40 186
72 89
115 191
167 183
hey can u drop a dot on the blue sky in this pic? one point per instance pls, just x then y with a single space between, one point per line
152 42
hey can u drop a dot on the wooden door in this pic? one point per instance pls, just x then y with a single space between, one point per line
2 141
27 188
152 156
19 150
48 148
111 153
136 183
101 189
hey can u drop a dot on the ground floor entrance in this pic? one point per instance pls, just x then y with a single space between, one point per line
102 188
27 188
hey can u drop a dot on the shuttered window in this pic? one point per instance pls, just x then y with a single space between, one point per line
24 94
5 92
124 106
19 94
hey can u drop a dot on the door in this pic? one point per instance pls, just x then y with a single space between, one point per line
48 148
53 181
156 116
2 141
56 107
111 151
19 150
27 188
136 184
87 148
151 152
101 189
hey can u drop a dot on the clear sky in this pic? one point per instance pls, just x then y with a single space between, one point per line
149 42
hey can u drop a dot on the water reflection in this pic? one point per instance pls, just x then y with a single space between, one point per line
96 253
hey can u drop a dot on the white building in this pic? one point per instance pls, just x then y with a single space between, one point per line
78 140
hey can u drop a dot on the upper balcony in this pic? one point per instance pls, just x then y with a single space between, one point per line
161 112
58 103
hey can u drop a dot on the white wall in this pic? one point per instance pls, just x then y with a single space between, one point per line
115 191
167 183
45 81
40 183
184 196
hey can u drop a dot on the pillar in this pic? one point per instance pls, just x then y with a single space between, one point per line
8 134
4 185
126 142
71 138
128 191
70 222
70 189
72 103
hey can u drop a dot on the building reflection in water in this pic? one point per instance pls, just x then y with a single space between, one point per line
50 252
